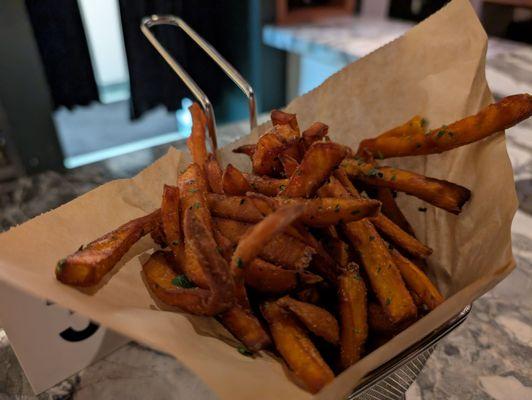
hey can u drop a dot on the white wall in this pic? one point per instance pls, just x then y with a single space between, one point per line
101 20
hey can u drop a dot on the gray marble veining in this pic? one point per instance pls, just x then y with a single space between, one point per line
488 357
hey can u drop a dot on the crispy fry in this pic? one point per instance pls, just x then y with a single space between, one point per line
353 311
213 171
192 189
378 320
296 348
268 278
383 275
170 220
317 320
87 266
157 235
493 118
282 250
400 238
239 208
315 133
196 141
289 163
390 208
161 278
261 235
318 163
266 185
241 322
233 182
417 281
443 194
247 149
339 250
284 119
265 160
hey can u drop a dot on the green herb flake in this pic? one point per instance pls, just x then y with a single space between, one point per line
196 205
424 122
175 243
60 265
357 276
244 351
371 238
379 155
393 178
254 186
242 201
193 190
219 250
182 281
372 172
239 263
357 331
337 208
388 301
422 209
282 187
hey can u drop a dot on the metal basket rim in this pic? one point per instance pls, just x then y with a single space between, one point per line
411 352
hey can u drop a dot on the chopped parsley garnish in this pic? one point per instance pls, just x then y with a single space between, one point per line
282 187
379 155
192 190
372 172
182 281
442 131
196 205
422 209
357 276
424 122
239 263
371 238
175 243
388 301
244 351
219 250
254 185
242 201
337 208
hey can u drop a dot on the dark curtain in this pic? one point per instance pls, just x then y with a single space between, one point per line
63 48
152 81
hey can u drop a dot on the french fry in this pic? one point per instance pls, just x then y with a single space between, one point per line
442 194
283 119
390 208
383 275
247 149
317 164
493 118
233 182
378 320
317 319
87 266
196 141
268 278
289 163
260 235
339 250
239 208
315 133
241 322
266 185
282 250
353 310
265 159
213 171
296 348
170 220
158 237
395 235
160 277
417 281
192 188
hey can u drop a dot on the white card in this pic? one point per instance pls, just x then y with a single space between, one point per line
51 343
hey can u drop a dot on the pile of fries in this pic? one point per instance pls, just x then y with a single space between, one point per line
309 255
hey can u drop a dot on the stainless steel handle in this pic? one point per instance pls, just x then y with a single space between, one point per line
235 76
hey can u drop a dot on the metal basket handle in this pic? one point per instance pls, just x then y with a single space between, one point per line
231 72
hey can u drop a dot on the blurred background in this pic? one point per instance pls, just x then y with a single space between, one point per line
79 83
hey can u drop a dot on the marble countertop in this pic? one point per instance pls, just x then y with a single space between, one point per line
488 357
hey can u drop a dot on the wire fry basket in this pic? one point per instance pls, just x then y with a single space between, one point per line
391 380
